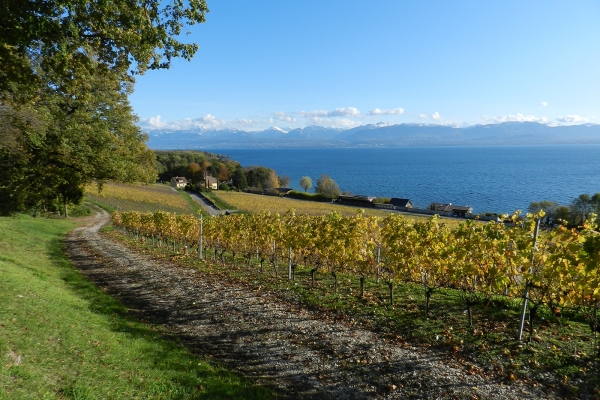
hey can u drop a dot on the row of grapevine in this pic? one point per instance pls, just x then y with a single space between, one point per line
480 259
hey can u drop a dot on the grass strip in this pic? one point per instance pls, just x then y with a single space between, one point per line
220 203
61 337
194 206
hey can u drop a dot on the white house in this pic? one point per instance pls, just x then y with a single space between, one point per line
178 182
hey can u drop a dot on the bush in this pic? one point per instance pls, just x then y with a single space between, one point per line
224 187
307 196
79 211
381 200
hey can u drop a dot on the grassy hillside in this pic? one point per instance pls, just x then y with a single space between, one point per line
60 337
256 203
137 197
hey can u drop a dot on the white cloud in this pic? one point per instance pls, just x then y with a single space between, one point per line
544 103
154 122
207 121
422 116
572 119
244 123
281 116
516 118
344 112
333 123
393 111
436 116
338 112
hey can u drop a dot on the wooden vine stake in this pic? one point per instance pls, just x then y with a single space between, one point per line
200 253
527 282
290 264
378 263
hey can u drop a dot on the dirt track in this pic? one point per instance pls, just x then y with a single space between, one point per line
300 353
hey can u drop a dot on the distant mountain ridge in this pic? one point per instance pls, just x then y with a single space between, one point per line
378 135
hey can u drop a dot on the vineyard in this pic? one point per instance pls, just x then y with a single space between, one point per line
259 203
144 198
484 266
479 260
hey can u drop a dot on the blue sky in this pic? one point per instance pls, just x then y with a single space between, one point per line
336 63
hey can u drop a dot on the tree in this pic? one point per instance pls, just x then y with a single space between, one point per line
194 172
239 179
64 140
305 183
66 35
222 173
596 206
562 213
581 206
549 208
284 181
327 187
67 70
261 177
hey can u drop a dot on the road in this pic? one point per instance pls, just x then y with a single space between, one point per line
206 205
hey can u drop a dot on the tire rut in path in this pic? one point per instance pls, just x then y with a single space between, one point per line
295 351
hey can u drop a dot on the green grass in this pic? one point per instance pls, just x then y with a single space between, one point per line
62 338
103 206
562 348
222 205
194 206
77 211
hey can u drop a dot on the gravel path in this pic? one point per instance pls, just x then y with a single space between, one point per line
205 204
300 353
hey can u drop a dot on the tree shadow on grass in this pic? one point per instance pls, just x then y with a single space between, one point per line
174 372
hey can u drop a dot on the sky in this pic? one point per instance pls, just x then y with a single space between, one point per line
334 63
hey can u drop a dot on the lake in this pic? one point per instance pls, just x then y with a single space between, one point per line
497 179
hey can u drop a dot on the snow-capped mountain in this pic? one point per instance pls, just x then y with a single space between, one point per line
375 135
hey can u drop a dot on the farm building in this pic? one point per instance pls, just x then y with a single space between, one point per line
360 201
211 182
396 202
178 182
455 211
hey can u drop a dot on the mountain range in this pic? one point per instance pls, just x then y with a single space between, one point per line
377 135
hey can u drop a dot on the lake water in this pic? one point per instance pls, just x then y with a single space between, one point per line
498 179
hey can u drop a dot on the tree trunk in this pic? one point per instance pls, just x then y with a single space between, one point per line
428 293
595 325
362 287
532 315
312 275
275 259
391 287
335 280
470 314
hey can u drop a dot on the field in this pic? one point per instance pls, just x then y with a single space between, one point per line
255 203
62 338
139 197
